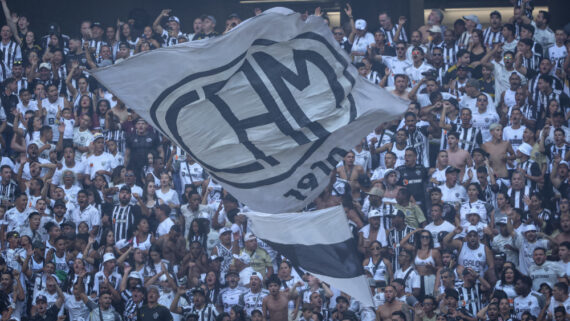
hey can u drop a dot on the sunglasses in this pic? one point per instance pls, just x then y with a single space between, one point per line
338 33
437 55
424 236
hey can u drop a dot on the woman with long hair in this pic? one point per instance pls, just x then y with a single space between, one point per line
376 266
85 106
198 232
125 35
212 286
142 237
79 271
427 260
33 129
167 195
155 261
507 282
237 313
118 175
476 52
102 108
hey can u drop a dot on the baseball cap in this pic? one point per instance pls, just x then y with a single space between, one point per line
453 101
530 228
471 17
134 275
97 136
108 257
215 257
232 272
198 290
209 17
256 275
59 203
225 230
41 298
97 24
390 171
45 65
502 220
249 237
435 29
471 228
360 24
374 213
174 18
525 149
376 191
564 163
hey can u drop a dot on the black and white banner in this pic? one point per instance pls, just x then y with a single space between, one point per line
268 109
318 242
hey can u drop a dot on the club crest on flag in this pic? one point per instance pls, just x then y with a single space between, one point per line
279 79
269 108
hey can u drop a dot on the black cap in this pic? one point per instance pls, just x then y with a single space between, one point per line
97 24
139 288
41 298
462 68
59 203
232 272
453 101
199 291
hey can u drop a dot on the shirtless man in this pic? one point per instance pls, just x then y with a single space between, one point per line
276 303
401 86
349 171
121 111
499 150
564 235
384 312
457 157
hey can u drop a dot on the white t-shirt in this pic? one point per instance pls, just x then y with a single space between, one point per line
412 281
557 55
530 303
548 272
78 168
96 163
435 229
396 66
415 74
83 139
361 44
453 194
69 128
32 105
483 122
50 119
515 136
164 227
89 215
76 308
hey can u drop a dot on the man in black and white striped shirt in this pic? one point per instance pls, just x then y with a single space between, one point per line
390 30
124 215
493 33
9 48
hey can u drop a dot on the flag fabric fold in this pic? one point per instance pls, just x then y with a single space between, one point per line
268 109
318 242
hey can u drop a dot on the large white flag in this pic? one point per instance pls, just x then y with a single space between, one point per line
267 109
320 243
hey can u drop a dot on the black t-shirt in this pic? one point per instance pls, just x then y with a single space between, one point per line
51 315
414 179
159 312
140 146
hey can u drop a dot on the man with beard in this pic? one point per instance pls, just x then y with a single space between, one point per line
527 300
202 310
230 295
124 215
152 311
472 253
252 299
275 304
543 271
384 312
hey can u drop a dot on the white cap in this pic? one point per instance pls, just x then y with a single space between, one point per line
224 230
525 149
360 24
472 17
530 227
256 274
374 213
243 257
135 275
45 65
471 228
249 237
108 257
435 29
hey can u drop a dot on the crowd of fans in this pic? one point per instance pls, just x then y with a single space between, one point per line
461 209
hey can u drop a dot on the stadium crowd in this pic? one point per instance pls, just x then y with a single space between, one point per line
461 209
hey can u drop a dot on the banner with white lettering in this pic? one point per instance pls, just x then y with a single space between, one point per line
268 109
